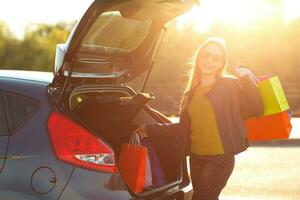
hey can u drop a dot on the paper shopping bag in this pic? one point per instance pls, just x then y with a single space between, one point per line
148 172
132 166
276 126
158 175
272 96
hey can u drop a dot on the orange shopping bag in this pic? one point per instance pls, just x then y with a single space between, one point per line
132 164
276 126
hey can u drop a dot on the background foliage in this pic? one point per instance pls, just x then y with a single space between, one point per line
270 47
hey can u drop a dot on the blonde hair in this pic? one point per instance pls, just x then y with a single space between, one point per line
194 74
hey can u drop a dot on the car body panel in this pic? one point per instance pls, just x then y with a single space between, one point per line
85 184
36 76
4 138
29 148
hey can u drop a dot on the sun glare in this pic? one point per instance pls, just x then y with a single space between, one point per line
291 9
19 14
239 13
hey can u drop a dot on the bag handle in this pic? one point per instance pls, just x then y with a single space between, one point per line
135 140
257 79
253 78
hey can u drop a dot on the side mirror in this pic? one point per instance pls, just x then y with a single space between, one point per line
59 56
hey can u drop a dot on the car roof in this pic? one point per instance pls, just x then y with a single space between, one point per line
39 76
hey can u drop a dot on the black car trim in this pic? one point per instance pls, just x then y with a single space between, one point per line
2 107
9 118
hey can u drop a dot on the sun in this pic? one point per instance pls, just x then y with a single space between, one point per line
238 13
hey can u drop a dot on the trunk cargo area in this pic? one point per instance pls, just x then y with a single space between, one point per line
113 113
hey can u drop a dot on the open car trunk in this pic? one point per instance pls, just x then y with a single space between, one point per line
113 112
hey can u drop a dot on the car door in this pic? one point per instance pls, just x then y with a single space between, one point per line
4 135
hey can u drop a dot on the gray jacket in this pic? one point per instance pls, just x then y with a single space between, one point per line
233 100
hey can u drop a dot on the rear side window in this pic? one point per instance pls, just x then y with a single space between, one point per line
3 127
20 109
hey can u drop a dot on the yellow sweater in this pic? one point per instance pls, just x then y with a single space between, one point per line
205 138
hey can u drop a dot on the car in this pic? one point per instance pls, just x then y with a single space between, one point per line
61 133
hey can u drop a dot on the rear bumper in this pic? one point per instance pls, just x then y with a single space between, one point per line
87 185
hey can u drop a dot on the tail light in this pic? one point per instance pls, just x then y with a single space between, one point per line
74 144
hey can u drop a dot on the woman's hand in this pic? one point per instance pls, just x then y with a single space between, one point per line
141 131
242 71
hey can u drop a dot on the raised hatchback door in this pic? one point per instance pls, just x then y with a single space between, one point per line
115 39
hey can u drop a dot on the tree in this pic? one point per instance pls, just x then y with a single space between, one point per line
36 51
8 45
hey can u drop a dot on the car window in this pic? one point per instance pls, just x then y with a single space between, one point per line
112 30
3 128
21 109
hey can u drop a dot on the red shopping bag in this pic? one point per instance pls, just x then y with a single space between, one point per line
132 166
276 126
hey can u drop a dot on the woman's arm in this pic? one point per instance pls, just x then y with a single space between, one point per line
250 100
162 129
158 129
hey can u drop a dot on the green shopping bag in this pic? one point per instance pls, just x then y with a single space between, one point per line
272 96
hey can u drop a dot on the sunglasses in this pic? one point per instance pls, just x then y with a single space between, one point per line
214 57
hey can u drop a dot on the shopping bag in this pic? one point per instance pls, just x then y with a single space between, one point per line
132 164
272 95
276 126
158 175
148 172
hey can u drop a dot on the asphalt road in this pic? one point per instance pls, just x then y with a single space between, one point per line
265 173
269 170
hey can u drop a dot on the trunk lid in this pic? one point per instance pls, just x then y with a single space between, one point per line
115 40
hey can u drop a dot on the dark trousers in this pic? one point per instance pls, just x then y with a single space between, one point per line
209 175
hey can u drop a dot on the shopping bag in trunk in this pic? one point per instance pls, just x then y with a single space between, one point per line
148 172
132 164
272 96
276 126
158 175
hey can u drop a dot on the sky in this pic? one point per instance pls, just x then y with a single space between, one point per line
17 14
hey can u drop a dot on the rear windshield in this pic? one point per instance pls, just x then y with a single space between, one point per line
113 33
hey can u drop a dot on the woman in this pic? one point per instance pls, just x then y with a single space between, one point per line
211 119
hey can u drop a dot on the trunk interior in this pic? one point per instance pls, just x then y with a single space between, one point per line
113 112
